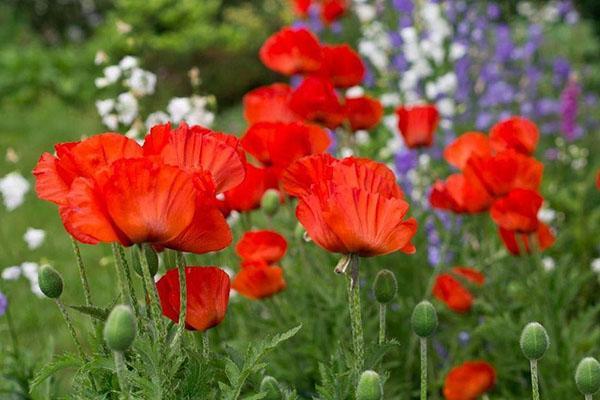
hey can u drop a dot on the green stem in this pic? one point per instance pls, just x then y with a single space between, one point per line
180 260
154 311
121 374
534 380
125 297
83 277
423 342
129 280
588 397
355 315
382 312
205 345
71 328
13 333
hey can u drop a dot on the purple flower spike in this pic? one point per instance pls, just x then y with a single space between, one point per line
3 304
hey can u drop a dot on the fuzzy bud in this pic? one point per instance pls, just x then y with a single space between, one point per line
270 387
534 341
120 328
385 286
151 258
587 376
369 386
270 202
424 320
50 281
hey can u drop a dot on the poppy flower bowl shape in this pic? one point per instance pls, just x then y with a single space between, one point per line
292 51
268 246
342 66
417 124
363 113
207 296
258 280
269 104
469 380
316 100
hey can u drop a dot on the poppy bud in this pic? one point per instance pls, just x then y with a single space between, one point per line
151 258
120 328
534 341
385 286
299 232
587 376
270 387
369 386
50 281
270 202
424 320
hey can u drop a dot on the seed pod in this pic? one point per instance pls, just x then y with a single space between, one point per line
270 387
270 202
587 376
120 328
534 341
369 386
151 258
385 286
50 281
424 320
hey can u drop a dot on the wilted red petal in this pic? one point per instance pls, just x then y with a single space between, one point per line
453 293
258 280
268 246
315 100
466 145
469 380
269 104
363 112
417 124
516 133
342 66
470 274
292 51
518 210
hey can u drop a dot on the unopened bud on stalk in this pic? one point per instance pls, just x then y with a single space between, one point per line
534 341
587 376
120 328
424 320
151 258
270 202
50 281
369 386
385 286
270 387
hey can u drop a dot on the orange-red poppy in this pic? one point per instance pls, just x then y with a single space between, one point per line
315 100
465 146
350 206
519 243
268 246
332 10
247 195
292 51
269 104
207 296
363 112
342 66
449 290
258 280
417 124
517 211
460 194
469 380
516 133
301 7
470 274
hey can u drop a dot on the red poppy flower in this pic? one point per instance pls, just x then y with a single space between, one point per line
453 293
516 133
301 7
363 112
247 195
258 280
517 243
268 246
518 210
505 171
470 274
466 145
469 380
279 144
315 100
342 66
88 158
417 124
332 10
292 51
460 194
207 296
350 206
269 104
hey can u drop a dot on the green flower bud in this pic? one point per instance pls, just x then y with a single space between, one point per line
270 387
369 386
534 341
50 281
120 328
587 376
299 231
385 286
270 202
424 320
151 258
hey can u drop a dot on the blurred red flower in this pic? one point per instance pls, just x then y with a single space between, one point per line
342 66
465 146
469 380
315 100
417 124
258 280
332 10
470 274
460 194
268 246
247 195
207 296
292 51
449 290
521 243
516 133
363 112
269 104
517 211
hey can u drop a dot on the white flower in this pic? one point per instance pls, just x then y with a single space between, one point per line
30 270
546 215
390 99
548 264
141 82
127 108
112 73
362 137
365 12
596 265
179 107
100 57
446 106
431 90
111 121
13 188
355 91
34 238
11 273
346 152
158 117
128 62
105 106
101 82
447 83
457 51
233 218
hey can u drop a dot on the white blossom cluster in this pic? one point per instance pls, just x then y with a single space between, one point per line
28 270
13 188
193 110
548 12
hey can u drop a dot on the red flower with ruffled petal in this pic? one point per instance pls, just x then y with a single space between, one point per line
516 133
332 10
268 246
363 112
247 195
292 51
258 280
519 243
417 124
517 211
350 206
469 380
453 293
460 194
269 104
470 274
342 66
207 296
465 146
315 100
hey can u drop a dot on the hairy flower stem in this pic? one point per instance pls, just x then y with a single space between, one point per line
125 266
83 277
205 346
355 314
180 260
382 312
423 342
121 368
125 295
154 311
534 380
71 328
